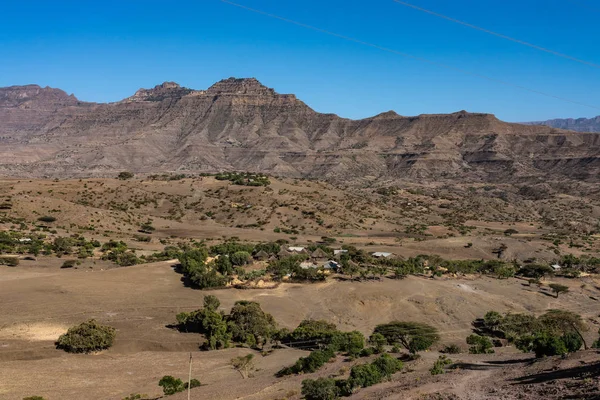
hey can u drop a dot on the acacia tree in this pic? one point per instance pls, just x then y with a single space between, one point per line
413 336
558 288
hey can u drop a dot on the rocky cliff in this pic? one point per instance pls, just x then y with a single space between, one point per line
239 124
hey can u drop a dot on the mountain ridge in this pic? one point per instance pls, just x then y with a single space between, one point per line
240 124
573 124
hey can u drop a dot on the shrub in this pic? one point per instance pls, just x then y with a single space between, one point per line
171 385
33 398
320 389
439 365
451 349
47 218
135 396
240 258
480 344
87 337
387 365
125 175
68 264
9 261
364 375
378 341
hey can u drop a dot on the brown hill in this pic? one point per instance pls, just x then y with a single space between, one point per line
239 124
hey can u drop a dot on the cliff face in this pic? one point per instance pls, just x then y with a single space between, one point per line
239 124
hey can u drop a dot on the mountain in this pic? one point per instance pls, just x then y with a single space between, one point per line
240 124
579 124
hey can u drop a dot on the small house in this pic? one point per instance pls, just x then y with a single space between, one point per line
339 252
556 267
25 240
331 265
283 253
319 254
381 254
298 250
261 256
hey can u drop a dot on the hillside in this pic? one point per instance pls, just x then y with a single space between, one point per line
573 124
239 124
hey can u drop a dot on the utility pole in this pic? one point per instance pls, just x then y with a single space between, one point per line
190 378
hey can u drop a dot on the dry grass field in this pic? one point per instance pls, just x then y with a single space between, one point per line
39 300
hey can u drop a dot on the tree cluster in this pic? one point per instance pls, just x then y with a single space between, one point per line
555 332
361 376
246 324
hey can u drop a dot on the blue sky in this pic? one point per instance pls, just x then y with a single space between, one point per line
106 50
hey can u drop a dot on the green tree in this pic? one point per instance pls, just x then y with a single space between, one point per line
320 389
247 319
87 337
414 336
558 288
350 342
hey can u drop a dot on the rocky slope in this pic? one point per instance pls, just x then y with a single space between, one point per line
239 124
573 124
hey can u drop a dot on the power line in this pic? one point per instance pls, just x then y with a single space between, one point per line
425 60
500 35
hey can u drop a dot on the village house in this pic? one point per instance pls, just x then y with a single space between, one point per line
382 254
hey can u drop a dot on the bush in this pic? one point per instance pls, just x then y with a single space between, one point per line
9 261
320 389
171 385
135 396
440 365
33 398
387 365
480 344
378 341
365 375
240 258
47 218
451 349
68 264
125 175
87 337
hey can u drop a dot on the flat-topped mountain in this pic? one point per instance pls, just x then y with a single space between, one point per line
240 124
